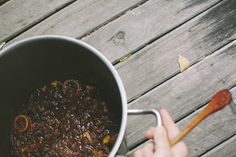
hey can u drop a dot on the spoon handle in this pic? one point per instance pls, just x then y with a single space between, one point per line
202 115
217 102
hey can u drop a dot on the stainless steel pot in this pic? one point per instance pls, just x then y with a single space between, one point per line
27 64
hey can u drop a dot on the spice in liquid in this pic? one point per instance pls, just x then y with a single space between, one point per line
64 120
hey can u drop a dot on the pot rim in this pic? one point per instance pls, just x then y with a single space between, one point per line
105 61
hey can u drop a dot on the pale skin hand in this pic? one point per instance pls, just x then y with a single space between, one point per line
160 147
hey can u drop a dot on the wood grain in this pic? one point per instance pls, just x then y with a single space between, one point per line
186 91
157 62
139 26
3 1
217 102
196 39
80 18
18 15
226 149
209 133
131 153
125 34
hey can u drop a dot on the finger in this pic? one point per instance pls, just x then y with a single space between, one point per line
162 145
180 150
148 149
138 153
169 124
150 133
160 138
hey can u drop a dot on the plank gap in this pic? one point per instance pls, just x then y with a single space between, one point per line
225 45
141 142
38 21
229 43
226 148
199 107
155 86
112 19
117 61
132 149
220 143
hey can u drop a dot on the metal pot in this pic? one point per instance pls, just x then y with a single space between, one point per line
30 63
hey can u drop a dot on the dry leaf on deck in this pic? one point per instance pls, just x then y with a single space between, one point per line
183 63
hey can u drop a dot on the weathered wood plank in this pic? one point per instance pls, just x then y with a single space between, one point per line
186 91
210 132
81 17
18 15
3 1
226 149
143 24
131 153
128 32
197 38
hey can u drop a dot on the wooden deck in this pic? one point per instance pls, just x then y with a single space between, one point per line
143 39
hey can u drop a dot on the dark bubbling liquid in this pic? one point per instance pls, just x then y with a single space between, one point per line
64 120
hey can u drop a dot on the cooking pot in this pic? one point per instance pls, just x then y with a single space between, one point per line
33 62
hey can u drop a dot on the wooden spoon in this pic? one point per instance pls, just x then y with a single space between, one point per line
217 102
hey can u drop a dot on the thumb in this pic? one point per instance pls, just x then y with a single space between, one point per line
162 145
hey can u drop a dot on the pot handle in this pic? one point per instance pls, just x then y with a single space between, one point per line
123 149
147 111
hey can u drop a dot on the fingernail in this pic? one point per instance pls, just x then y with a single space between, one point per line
149 136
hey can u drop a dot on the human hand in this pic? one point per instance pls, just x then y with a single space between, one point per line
160 147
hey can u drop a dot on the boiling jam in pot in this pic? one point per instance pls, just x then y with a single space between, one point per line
64 119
